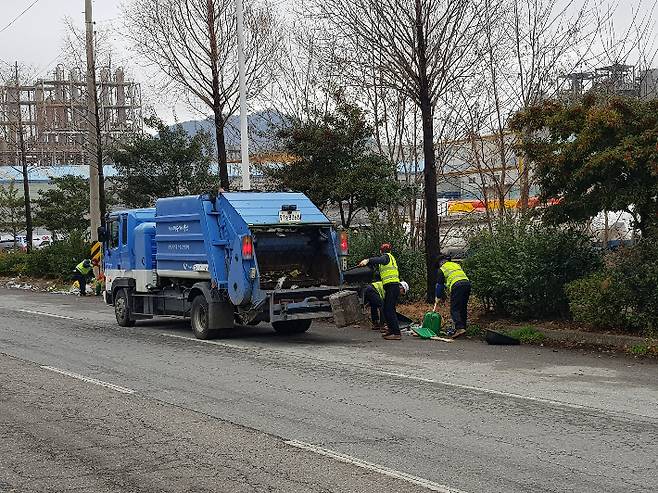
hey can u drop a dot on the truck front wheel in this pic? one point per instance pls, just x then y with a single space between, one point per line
199 316
292 326
122 309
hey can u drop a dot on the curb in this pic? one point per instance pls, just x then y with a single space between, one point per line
592 338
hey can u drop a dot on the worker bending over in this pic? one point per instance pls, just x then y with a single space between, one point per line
84 271
453 279
374 295
390 278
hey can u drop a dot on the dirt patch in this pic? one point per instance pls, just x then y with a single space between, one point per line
478 316
36 284
417 310
479 320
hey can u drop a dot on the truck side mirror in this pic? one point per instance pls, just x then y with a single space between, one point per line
102 234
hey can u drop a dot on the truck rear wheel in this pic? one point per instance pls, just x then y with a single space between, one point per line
199 317
122 309
292 326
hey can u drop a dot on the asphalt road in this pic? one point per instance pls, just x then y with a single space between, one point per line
88 406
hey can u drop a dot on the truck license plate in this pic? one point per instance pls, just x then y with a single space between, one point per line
290 216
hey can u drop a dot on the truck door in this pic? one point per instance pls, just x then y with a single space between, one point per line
124 244
118 245
111 257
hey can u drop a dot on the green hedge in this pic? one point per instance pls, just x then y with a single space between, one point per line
12 263
56 261
623 294
365 243
520 270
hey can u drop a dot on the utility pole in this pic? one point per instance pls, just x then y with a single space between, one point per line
93 143
244 139
26 178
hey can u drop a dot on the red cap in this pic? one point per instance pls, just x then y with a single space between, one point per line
385 248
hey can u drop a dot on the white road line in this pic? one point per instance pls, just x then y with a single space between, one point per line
374 371
111 386
387 471
491 391
34 312
205 341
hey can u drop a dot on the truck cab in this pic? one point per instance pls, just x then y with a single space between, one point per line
239 257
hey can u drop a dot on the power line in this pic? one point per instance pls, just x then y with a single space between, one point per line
19 16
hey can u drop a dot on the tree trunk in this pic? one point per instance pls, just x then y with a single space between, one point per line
26 178
525 188
525 182
648 221
26 195
221 151
216 99
502 188
431 213
429 169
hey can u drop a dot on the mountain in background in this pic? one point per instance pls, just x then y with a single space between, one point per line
262 126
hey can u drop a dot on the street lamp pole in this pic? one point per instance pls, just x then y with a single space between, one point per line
244 139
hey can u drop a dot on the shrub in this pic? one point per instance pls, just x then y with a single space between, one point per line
593 300
365 243
12 263
621 295
521 269
55 261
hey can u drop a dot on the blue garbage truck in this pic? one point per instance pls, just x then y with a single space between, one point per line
232 258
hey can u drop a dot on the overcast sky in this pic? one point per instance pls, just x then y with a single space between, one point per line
35 38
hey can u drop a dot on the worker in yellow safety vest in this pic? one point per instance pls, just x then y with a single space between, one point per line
452 278
83 272
373 296
390 279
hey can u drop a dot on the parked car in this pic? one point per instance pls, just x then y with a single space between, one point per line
38 241
10 244
42 241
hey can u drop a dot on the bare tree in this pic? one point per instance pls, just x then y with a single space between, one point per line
74 55
635 41
550 38
193 43
420 49
308 70
525 48
14 134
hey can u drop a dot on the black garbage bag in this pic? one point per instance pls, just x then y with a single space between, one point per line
358 275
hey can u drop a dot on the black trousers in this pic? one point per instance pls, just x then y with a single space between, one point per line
459 295
82 280
376 303
391 295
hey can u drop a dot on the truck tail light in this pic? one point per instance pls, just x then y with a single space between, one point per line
247 248
344 243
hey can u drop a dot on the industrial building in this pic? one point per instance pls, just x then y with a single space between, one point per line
54 119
